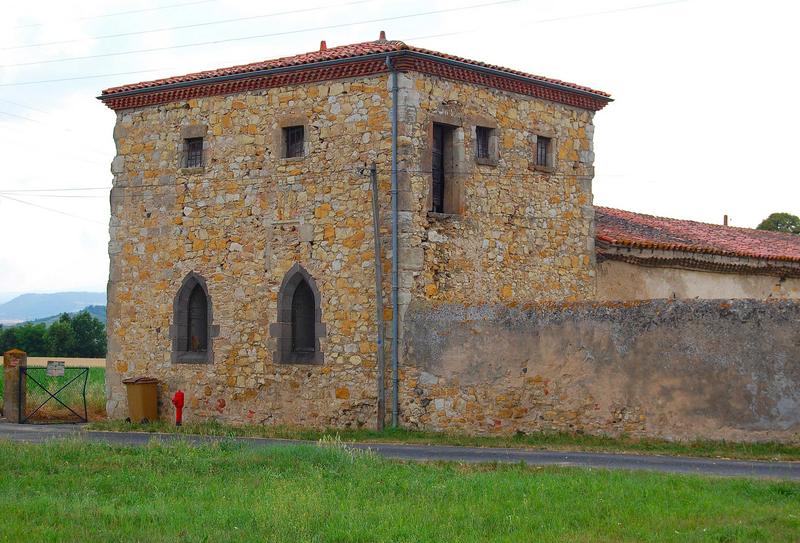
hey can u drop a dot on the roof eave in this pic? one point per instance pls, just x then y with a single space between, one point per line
360 58
605 242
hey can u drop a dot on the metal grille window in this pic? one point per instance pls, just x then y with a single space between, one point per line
303 338
437 162
294 137
194 152
543 151
197 321
482 135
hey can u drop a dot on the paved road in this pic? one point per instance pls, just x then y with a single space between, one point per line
671 464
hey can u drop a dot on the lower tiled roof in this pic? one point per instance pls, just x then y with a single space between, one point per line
627 229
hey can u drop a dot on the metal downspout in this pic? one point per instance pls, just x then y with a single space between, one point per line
395 253
376 234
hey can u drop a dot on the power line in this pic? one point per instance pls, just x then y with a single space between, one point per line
25 106
183 27
51 209
439 35
355 170
84 196
24 118
553 19
97 76
245 38
53 190
610 11
123 191
129 12
61 128
69 156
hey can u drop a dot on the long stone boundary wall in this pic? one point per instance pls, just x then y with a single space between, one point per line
717 369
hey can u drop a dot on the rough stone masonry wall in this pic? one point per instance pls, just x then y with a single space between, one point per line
721 369
245 218
522 232
242 222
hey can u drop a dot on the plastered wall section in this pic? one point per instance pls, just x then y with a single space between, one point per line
623 281
683 369
241 222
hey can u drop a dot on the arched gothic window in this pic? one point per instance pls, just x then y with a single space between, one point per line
197 321
191 329
303 319
299 325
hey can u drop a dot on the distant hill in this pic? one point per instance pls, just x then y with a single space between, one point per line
40 306
96 311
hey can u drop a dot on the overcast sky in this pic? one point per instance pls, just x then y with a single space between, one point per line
703 124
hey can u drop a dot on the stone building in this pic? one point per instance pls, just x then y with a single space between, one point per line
643 257
242 260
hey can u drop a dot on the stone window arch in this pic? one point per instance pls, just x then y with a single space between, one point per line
299 325
192 329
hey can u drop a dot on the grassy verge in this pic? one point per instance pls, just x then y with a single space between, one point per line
227 492
557 441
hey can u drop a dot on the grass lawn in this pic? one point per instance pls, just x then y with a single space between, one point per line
539 440
73 491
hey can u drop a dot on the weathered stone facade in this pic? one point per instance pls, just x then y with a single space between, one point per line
241 223
519 232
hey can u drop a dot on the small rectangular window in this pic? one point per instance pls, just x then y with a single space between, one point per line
543 151
482 135
294 139
194 152
439 160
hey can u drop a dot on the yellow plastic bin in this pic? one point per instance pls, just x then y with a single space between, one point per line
142 399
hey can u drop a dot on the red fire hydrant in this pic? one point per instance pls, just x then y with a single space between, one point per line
177 401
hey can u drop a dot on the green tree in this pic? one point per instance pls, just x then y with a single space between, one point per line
781 222
90 336
31 338
8 339
28 337
60 337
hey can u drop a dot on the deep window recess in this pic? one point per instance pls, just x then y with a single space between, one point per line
192 331
194 152
293 140
197 321
482 135
442 168
543 151
299 326
303 338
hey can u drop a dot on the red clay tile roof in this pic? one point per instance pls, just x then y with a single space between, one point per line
628 229
353 51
